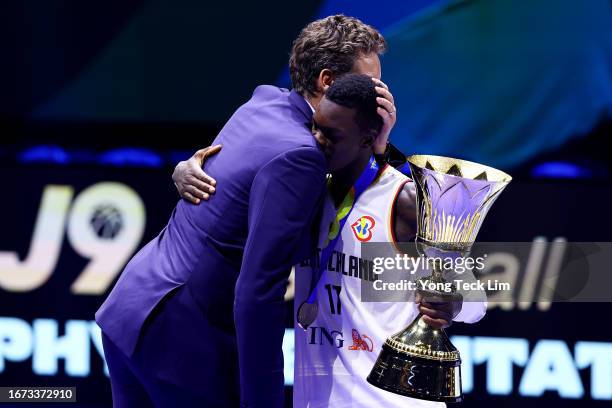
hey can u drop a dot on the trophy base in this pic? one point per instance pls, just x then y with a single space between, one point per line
417 377
420 361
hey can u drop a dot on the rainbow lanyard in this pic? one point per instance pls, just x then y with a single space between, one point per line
366 178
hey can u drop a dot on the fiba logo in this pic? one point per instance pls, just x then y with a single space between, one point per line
106 221
362 228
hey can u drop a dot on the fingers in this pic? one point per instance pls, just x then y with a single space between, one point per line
201 155
200 176
187 196
201 187
439 319
194 192
212 150
191 181
385 99
384 93
436 323
195 171
430 299
387 112
387 104
380 83
198 157
384 114
435 313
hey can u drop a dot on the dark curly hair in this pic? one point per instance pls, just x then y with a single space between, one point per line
332 43
357 92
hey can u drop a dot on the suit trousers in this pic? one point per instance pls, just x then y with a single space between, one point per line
180 360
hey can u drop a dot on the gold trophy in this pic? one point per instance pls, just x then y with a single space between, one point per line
453 198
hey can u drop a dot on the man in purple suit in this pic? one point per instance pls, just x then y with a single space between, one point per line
197 317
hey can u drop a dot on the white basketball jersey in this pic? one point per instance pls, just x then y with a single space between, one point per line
335 355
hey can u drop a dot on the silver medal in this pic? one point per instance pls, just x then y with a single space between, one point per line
307 314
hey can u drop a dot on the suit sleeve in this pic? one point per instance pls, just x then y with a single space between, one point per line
284 197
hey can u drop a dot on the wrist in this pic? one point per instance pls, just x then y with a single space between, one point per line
380 149
382 154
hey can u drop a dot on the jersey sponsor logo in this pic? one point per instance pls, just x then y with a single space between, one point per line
362 228
319 336
361 342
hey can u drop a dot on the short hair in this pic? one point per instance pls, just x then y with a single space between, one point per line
333 43
356 91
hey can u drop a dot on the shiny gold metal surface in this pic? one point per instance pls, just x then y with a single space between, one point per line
424 341
467 169
453 197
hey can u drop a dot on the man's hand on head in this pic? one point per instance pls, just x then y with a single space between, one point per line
192 183
387 112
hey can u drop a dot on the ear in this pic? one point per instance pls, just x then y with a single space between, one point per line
325 79
367 140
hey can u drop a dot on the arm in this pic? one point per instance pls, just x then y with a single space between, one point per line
472 311
192 183
405 222
437 314
284 197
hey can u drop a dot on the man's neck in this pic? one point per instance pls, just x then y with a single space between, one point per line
313 100
343 179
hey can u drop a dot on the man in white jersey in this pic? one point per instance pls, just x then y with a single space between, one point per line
336 352
334 356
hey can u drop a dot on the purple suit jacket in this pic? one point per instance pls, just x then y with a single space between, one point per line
234 252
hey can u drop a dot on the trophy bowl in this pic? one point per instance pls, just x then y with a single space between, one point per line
453 197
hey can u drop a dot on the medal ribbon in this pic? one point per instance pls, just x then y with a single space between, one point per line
366 178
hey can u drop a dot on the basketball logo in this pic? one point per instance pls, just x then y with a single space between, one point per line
362 228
